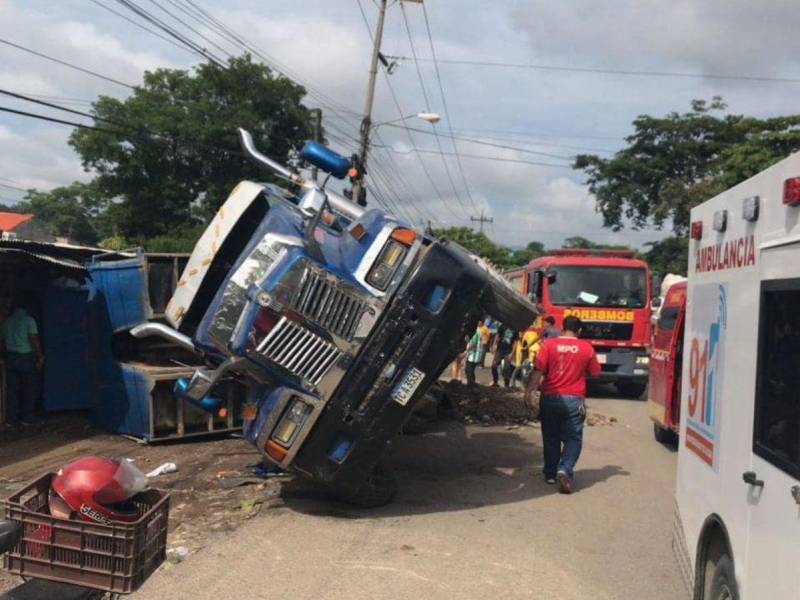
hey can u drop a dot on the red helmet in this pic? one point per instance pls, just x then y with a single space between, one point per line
97 489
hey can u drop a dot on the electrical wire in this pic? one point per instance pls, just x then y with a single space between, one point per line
66 64
483 157
444 104
140 26
400 113
425 97
493 145
606 71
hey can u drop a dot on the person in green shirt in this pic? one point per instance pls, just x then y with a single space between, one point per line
475 353
19 337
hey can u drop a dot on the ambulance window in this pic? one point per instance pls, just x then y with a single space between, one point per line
777 413
668 318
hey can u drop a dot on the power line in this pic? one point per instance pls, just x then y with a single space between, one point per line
638 73
481 157
444 104
66 64
408 133
53 119
425 97
12 187
170 31
140 26
493 145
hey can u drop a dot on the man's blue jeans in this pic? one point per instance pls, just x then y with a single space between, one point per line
562 420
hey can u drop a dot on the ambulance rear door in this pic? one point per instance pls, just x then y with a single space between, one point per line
772 483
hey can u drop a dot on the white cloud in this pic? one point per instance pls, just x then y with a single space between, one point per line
326 43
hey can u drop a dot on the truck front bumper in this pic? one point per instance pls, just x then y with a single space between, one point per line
623 364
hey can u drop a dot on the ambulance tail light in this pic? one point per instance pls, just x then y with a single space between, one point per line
791 191
697 230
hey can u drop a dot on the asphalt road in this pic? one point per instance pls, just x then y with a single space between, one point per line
473 519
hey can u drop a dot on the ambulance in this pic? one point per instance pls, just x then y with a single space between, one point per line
737 517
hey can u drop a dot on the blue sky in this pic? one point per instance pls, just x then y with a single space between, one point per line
550 115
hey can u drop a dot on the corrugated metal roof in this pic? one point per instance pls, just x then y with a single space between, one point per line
9 221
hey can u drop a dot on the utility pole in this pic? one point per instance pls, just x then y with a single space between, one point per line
316 132
359 196
482 220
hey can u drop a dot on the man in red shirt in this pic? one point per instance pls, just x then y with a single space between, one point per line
561 368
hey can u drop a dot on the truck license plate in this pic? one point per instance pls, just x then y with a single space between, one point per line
408 385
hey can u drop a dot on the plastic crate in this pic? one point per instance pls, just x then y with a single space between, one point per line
115 558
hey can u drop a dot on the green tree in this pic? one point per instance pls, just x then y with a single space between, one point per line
169 153
670 255
71 211
675 162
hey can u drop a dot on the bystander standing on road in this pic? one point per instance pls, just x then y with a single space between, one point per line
550 329
24 359
561 368
505 342
525 351
486 336
476 350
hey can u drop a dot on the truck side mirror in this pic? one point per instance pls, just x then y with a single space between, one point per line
656 302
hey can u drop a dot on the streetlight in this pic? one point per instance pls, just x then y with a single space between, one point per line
430 117
358 194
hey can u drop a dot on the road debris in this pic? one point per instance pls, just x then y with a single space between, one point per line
487 405
163 469
177 554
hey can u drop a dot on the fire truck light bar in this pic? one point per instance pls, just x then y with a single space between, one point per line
588 252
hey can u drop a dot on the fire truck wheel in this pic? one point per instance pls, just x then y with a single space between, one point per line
664 436
723 582
379 489
630 389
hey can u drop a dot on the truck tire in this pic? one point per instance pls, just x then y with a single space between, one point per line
500 300
664 436
723 581
630 389
378 490
504 304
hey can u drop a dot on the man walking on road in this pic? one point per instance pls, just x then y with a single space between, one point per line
505 341
476 350
561 368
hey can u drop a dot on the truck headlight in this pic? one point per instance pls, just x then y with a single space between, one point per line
386 265
291 422
642 360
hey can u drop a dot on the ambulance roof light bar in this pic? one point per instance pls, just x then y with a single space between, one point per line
595 253
791 191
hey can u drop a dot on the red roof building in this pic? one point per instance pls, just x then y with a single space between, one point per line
15 226
10 221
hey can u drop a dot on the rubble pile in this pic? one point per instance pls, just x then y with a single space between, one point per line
500 406
489 405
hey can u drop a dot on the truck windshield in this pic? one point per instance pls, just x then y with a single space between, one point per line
598 286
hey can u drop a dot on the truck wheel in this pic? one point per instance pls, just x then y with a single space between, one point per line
508 307
664 436
723 582
500 300
379 489
630 389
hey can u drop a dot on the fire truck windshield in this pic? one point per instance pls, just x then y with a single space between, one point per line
598 286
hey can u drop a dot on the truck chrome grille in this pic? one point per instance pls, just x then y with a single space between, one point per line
328 305
302 353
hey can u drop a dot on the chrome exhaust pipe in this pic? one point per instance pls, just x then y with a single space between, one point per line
163 331
338 203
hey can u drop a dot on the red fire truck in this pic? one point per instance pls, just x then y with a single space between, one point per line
666 363
610 291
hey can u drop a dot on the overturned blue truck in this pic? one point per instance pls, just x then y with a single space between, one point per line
336 318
